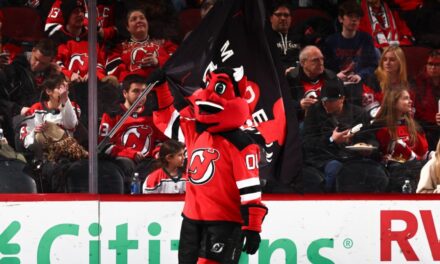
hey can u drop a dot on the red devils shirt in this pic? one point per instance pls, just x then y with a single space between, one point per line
137 134
420 148
105 18
128 57
222 168
312 88
72 54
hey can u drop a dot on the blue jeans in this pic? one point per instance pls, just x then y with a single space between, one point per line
331 169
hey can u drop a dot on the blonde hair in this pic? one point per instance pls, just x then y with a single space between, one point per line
437 161
389 115
383 77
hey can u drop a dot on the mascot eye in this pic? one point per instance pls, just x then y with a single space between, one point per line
220 88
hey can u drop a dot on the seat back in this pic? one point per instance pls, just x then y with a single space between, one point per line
302 14
362 176
21 25
416 57
13 179
110 178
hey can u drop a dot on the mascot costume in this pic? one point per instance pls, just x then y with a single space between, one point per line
223 212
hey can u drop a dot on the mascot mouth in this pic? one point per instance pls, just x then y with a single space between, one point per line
207 107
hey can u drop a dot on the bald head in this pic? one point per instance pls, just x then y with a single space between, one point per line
312 61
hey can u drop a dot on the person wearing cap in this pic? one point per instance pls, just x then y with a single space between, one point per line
350 53
328 130
72 42
305 81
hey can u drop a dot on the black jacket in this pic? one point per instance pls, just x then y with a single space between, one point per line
319 126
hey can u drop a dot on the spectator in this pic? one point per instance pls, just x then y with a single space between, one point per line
328 131
133 144
384 25
141 54
305 81
391 74
287 44
72 55
20 81
105 18
169 177
350 53
54 107
427 96
430 175
400 137
48 130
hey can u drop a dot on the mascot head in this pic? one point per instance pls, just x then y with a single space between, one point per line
219 106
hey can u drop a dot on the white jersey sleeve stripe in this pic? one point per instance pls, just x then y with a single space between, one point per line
248 182
250 196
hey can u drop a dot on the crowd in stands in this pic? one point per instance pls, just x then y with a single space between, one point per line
345 63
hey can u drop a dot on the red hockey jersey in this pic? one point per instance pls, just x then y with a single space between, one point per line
72 55
402 151
223 173
105 19
159 181
137 134
127 58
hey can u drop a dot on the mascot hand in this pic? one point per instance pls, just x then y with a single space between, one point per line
251 241
157 75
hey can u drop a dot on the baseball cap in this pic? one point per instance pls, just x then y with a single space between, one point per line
332 90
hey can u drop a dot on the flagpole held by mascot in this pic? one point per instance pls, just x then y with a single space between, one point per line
223 211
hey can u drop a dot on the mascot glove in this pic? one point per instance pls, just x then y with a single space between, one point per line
251 241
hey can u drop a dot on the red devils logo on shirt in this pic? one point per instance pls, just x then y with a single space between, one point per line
139 138
79 63
202 167
139 54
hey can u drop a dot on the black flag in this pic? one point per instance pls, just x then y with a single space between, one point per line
233 35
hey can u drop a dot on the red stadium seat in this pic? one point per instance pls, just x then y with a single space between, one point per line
189 19
302 14
416 57
21 25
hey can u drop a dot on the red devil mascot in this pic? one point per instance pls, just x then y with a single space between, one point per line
223 212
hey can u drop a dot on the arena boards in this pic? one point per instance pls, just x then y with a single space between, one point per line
95 229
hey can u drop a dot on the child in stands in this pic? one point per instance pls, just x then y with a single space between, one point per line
169 178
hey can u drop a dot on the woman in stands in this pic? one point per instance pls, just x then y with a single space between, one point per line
391 74
430 175
427 96
140 54
48 131
55 107
400 137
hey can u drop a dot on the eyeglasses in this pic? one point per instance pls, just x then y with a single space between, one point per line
316 59
432 64
281 14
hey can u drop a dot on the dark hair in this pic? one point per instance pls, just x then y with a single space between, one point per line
350 7
52 81
131 78
170 146
129 12
279 4
46 47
